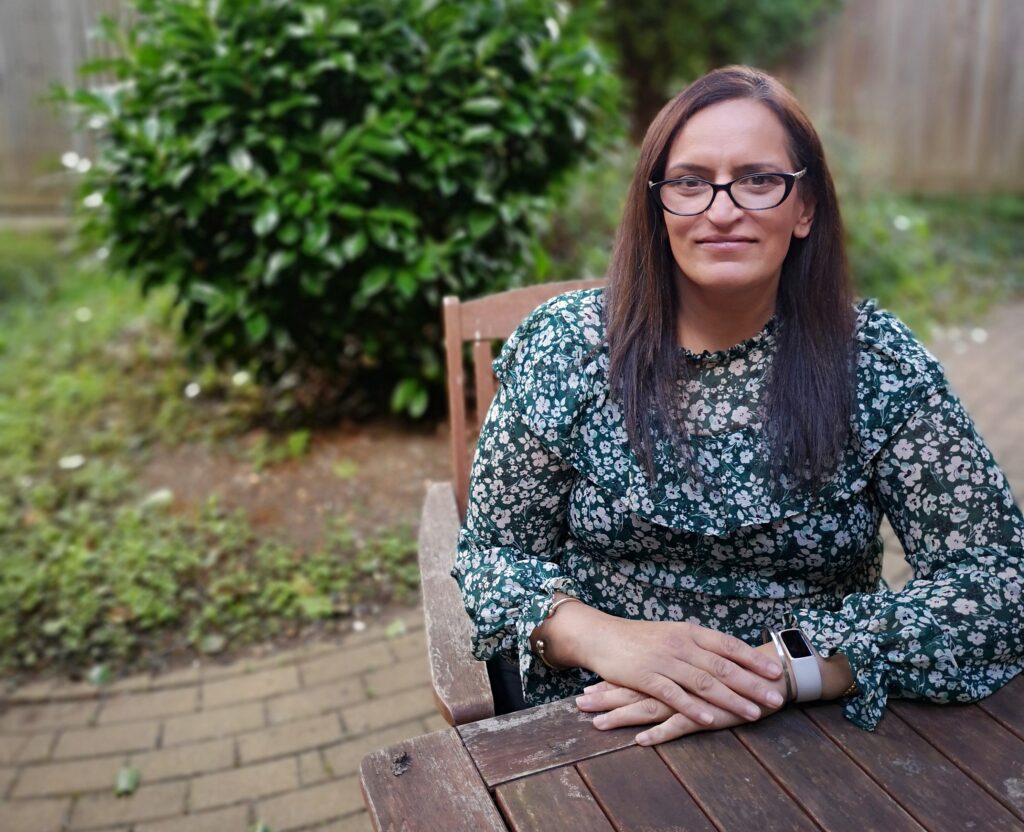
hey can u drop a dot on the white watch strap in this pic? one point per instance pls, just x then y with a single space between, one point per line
807 678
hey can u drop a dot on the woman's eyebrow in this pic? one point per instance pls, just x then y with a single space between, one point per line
739 170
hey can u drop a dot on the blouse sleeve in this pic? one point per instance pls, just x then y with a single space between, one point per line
508 560
955 633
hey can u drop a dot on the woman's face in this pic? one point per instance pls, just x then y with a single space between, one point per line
728 248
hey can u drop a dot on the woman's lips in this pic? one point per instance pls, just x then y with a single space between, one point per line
726 244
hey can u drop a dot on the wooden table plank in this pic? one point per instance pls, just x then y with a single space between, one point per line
1007 705
440 782
547 736
552 801
638 793
829 786
730 786
924 782
974 741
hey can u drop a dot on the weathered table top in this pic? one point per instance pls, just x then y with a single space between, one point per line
925 767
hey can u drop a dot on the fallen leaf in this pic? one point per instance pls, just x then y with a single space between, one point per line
128 778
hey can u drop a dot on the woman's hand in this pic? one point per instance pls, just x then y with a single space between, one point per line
699 673
628 707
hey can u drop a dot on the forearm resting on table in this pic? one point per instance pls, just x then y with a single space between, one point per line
574 626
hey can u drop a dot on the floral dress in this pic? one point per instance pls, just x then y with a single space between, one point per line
559 502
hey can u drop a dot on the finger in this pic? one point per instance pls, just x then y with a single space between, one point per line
749 687
602 685
672 728
642 712
607 700
737 651
669 692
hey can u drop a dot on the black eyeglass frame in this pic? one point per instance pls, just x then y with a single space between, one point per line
790 179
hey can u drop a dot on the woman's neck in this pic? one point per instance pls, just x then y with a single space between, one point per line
713 321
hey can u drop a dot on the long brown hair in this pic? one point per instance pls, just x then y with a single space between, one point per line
808 398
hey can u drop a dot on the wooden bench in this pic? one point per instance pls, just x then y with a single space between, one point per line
461 688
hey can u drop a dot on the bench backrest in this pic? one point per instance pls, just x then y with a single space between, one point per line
481 322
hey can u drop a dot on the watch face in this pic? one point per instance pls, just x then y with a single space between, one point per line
795 642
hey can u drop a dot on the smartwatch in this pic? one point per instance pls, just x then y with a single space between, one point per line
804 661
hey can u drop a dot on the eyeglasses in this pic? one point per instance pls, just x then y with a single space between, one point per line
688 196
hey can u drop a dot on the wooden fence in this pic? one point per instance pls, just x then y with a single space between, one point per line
929 94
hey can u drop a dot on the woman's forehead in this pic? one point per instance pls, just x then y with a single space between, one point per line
730 134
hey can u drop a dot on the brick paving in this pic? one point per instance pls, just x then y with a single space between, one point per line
278 739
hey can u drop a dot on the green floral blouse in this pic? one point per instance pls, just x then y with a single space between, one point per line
559 502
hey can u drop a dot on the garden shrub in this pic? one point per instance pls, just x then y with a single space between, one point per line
313 177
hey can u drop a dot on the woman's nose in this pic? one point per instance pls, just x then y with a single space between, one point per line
722 208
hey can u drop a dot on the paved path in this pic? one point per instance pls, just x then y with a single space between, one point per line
279 739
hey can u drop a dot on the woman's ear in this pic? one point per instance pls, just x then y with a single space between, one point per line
805 219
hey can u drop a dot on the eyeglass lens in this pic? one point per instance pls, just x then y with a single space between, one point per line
693 196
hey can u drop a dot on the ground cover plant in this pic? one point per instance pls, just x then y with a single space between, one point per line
95 570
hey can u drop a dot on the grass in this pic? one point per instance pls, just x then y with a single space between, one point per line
94 571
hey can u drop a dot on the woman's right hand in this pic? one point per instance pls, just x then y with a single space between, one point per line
686 666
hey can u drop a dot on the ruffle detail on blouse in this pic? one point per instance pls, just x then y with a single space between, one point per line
555 369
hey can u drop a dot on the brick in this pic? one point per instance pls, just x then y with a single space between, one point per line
344 664
149 802
10 746
344 758
402 676
239 784
288 738
139 706
39 747
185 760
312 769
68 778
191 675
35 690
93 742
387 710
313 805
26 718
435 723
6 778
410 647
315 701
213 724
253 686
231 819
34 815
353 823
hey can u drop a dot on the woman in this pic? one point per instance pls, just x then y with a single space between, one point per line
685 464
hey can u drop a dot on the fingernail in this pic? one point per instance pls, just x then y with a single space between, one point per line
589 688
643 739
753 713
775 698
599 721
583 701
706 718
773 668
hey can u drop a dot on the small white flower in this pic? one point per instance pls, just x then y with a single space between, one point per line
979 335
901 222
83 314
83 166
102 253
94 200
71 462
70 159
240 378
192 389
358 626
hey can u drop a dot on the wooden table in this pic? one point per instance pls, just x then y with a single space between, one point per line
925 767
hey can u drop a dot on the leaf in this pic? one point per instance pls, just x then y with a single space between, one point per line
99 675
483 106
267 219
212 643
127 782
396 629
257 327
240 160
354 245
346 469
478 134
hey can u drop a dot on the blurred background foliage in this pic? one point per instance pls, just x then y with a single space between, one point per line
312 177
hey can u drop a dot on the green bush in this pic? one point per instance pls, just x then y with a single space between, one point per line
312 177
